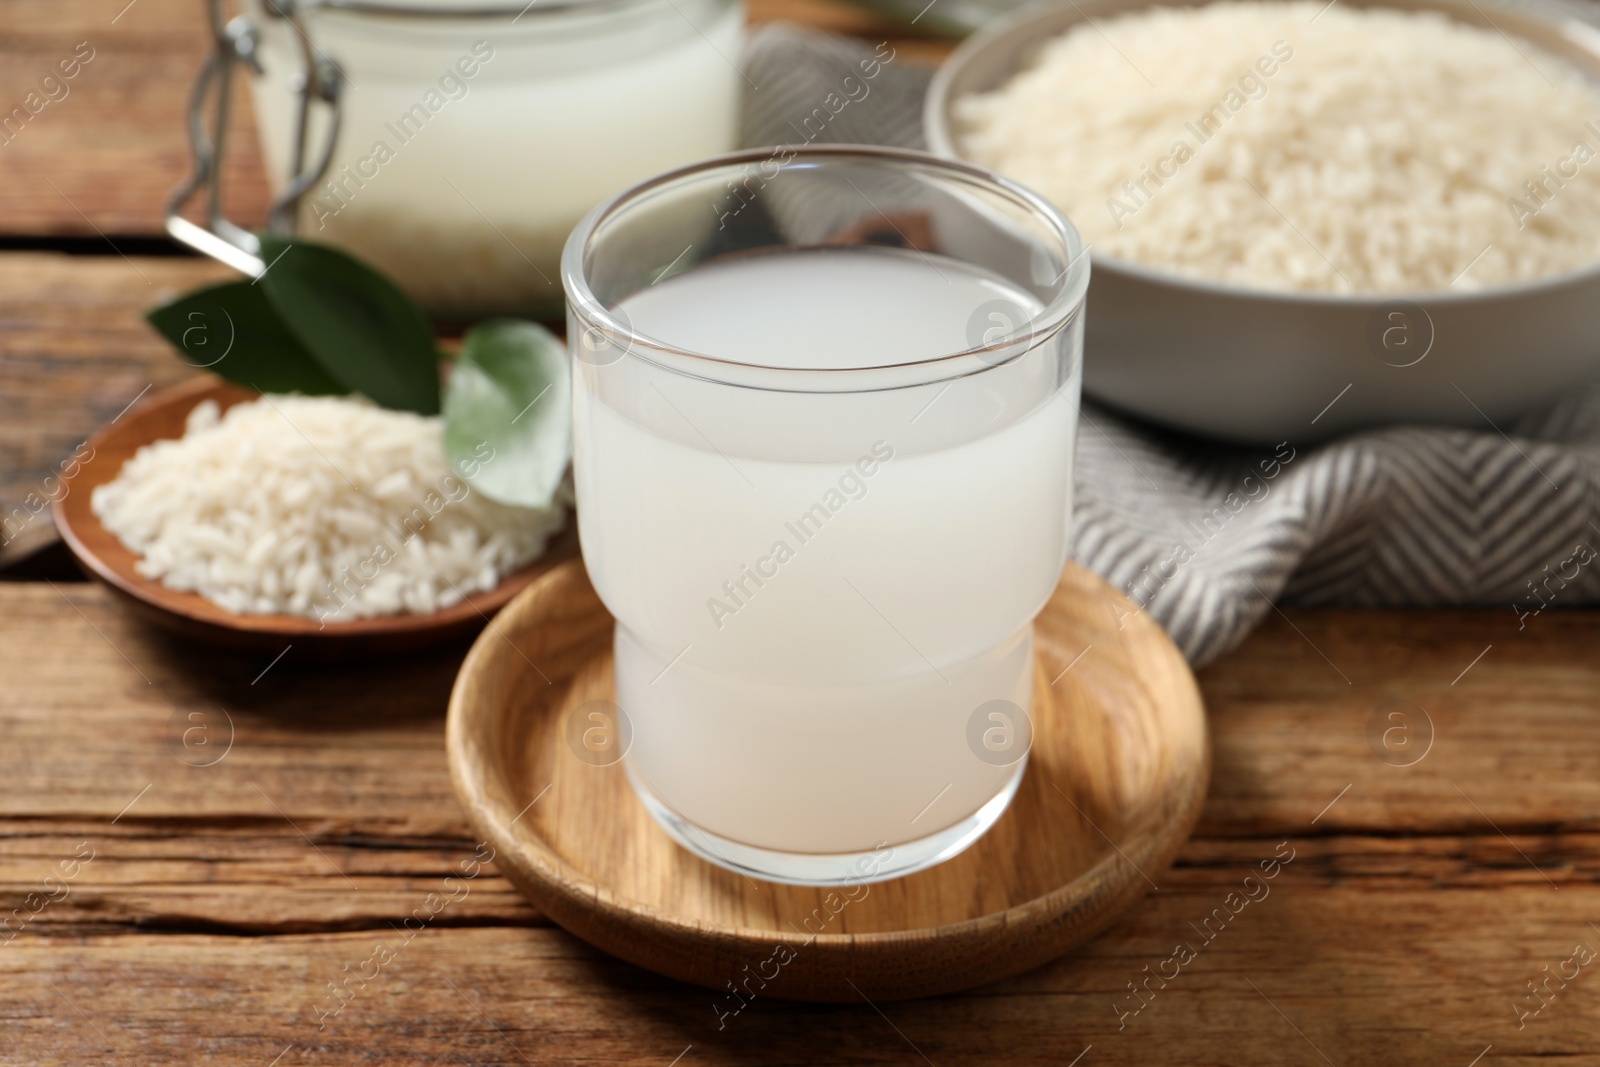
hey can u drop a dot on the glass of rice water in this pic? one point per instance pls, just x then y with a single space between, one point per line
825 404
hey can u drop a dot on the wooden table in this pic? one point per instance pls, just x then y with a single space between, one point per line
162 911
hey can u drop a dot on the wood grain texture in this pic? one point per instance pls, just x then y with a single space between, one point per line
74 351
1383 985
163 415
103 159
1114 782
207 925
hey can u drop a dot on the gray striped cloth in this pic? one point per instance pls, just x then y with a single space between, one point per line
1407 516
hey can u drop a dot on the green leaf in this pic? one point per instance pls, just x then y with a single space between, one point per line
232 330
363 330
508 412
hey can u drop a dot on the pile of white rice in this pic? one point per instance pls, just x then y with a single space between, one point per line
1300 146
330 508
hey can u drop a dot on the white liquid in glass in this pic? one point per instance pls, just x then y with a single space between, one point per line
816 591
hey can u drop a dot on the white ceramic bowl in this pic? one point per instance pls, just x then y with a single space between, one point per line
1262 366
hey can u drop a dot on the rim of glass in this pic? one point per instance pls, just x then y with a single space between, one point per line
1059 312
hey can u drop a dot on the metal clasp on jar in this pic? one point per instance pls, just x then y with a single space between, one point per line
319 81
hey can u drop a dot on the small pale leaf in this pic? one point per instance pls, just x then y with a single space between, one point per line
508 412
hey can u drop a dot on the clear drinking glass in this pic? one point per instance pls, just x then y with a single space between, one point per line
824 409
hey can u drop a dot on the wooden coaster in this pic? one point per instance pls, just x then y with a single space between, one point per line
1114 785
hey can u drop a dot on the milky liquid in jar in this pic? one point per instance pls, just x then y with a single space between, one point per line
470 146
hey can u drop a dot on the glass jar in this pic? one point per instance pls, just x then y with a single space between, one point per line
462 143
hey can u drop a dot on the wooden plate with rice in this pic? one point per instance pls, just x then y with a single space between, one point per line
161 416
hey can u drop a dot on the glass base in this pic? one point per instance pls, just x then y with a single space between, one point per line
829 868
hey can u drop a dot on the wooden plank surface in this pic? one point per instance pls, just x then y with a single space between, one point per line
212 901
74 351
101 160
220 900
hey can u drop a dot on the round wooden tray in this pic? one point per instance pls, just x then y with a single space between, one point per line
162 415
1114 784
